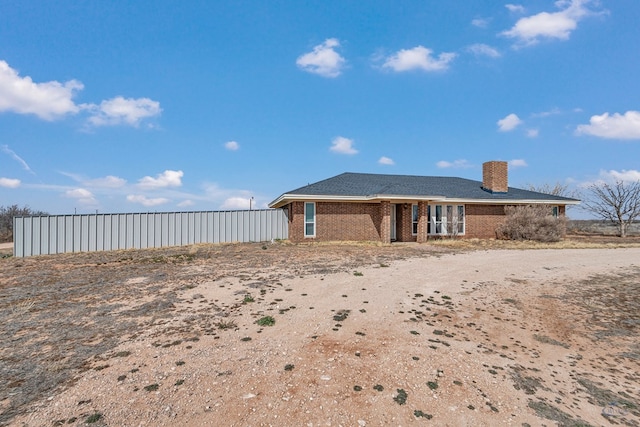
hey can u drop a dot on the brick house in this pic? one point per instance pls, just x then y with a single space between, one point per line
403 208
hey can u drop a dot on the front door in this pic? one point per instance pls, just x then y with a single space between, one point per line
393 222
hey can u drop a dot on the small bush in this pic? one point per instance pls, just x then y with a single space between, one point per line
266 321
531 223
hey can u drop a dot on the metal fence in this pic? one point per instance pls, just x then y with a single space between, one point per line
43 235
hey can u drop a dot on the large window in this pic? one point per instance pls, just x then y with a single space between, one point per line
309 219
446 219
414 219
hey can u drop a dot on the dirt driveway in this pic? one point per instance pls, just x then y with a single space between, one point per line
321 335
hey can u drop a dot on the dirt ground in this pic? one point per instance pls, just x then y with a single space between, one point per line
322 335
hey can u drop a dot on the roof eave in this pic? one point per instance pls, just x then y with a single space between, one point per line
288 198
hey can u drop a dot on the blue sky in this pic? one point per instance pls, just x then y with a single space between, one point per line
136 106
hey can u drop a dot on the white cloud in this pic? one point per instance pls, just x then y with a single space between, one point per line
480 49
612 176
532 133
17 158
418 58
456 164
386 161
616 126
49 101
480 22
79 193
119 110
232 146
9 183
236 203
509 123
145 201
108 181
515 8
554 111
167 178
343 145
517 163
323 60
82 196
550 25
186 203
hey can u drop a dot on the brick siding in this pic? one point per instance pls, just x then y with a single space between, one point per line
482 220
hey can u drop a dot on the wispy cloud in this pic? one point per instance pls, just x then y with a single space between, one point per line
480 22
480 49
549 25
9 182
323 59
418 58
533 133
456 164
386 161
343 145
14 156
615 126
509 123
232 146
82 196
517 163
146 201
165 179
515 8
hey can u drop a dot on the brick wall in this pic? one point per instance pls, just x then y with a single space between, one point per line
482 220
338 221
403 223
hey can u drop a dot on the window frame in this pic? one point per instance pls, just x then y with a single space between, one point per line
311 222
444 217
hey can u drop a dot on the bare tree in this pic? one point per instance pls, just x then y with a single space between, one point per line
6 219
618 203
556 189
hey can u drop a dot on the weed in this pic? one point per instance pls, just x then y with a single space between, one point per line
446 297
341 315
419 414
414 332
100 368
228 324
247 299
432 385
152 387
179 382
358 273
547 340
378 387
122 377
180 363
245 339
401 397
94 418
357 388
384 265
289 367
266 321
122 354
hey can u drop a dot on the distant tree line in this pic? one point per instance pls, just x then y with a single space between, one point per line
7 213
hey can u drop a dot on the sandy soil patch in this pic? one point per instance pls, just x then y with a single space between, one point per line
322 335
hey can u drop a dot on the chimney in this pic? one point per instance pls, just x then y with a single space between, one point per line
494 177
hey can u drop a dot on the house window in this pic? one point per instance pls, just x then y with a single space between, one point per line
555 211
414 219
446 219
310 219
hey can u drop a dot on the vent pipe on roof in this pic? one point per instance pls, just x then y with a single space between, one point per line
495 176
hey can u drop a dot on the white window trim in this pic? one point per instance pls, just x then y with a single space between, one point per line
309 222
443 220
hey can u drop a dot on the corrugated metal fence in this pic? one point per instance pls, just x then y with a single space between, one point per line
43 235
